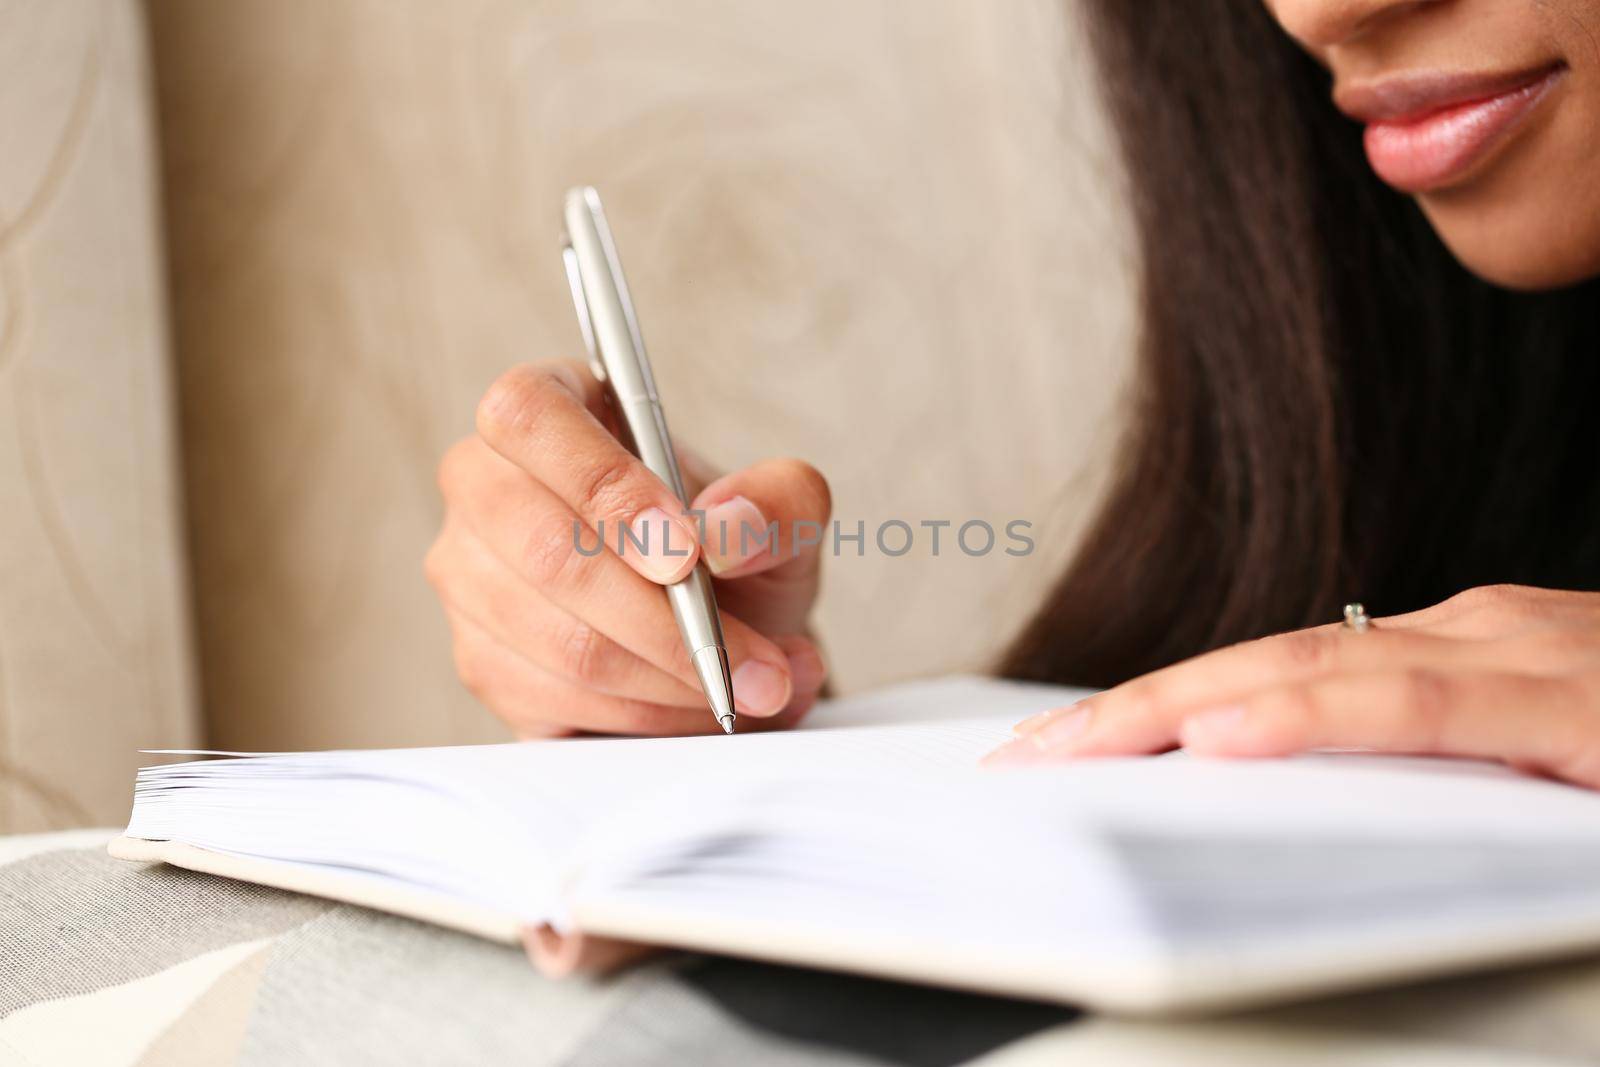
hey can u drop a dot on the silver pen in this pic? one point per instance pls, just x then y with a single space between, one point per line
618 359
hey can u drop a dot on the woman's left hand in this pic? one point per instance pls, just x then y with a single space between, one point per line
1501 672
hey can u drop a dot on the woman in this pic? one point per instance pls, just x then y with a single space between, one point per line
1369 363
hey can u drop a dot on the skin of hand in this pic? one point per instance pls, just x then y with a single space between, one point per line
555 637
1505 673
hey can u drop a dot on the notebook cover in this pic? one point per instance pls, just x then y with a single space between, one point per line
419 904
1241 976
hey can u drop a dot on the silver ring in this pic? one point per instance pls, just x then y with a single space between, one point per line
1356 619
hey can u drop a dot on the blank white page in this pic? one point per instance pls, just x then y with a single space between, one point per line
493 822
508 825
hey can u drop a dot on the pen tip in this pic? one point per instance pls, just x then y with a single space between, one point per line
711 663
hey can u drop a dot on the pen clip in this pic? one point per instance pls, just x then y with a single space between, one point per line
569 259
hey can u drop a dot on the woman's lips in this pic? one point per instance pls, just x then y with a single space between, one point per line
1425 132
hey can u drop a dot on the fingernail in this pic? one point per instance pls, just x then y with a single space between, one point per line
1210 725
760 688
735 532
1060 731
1014 752
661 546
1035 723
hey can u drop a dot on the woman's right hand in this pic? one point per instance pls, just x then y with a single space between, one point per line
555 640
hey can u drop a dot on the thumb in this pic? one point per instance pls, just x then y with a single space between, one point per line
771 516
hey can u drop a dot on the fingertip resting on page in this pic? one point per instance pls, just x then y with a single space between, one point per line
559 955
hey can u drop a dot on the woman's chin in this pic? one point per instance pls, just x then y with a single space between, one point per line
1530 220
1512 251
1527 276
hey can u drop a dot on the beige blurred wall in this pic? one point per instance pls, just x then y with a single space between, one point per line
94 652
878 235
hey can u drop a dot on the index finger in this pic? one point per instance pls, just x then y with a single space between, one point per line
541 417
1143 715
1543 723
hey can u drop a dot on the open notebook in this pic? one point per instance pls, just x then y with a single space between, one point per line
869 841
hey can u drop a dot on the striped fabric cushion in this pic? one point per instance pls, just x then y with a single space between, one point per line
111 963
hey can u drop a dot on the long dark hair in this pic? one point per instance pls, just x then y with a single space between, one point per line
1329 406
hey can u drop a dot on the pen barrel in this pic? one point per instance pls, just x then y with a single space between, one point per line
695 608
646 430
600 295
693 602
